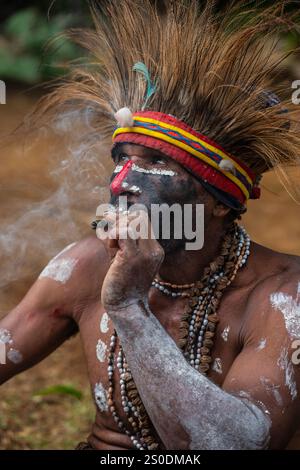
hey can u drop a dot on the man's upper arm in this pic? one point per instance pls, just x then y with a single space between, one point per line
33 329
48 313
265 371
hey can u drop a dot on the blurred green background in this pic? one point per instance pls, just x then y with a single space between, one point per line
27 29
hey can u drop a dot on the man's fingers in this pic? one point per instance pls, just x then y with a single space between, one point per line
114 224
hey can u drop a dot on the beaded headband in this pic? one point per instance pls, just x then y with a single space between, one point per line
194 151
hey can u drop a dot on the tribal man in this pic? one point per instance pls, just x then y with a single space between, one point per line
186 348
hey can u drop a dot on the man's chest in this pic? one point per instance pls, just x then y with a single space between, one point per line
106 360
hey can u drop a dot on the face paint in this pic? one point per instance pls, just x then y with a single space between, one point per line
159 187
118 168
153 171
116 184
135 189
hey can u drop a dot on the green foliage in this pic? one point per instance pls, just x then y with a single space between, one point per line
61 390
25 51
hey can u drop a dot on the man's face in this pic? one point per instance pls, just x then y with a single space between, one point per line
154 178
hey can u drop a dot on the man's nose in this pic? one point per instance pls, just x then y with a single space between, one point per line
116 184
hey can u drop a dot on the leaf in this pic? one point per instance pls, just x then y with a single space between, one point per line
60 390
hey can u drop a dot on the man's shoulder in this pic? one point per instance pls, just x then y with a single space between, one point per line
275 259
275 270
71 290
86 250
274 276
92 260
275 294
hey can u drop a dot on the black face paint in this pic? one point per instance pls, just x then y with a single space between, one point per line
161 190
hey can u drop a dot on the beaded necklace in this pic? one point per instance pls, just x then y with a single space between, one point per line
197 330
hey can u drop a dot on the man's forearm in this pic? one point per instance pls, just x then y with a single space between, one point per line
187 410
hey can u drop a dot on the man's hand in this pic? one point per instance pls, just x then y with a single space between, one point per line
135 259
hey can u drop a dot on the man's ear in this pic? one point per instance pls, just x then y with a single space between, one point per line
220 210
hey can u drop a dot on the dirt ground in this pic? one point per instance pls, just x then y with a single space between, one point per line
59 421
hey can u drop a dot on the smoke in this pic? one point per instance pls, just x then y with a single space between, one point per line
50 187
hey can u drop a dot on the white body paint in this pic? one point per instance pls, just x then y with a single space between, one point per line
101 397
272 389
14 356
225 333
5 336
104 323
217 366
290 309
209 417
286 365
101 350
262 344
59 270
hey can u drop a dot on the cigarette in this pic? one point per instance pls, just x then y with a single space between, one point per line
104 224
100 223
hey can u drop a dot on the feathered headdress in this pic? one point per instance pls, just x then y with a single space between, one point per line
177 76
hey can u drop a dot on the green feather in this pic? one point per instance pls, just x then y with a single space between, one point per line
140 67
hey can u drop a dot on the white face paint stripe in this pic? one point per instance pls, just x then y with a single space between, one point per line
153 171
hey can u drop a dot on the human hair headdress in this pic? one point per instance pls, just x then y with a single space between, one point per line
195 84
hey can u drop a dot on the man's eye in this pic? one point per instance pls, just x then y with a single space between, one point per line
122 158
157 160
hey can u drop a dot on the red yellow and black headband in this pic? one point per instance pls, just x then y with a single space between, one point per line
200 155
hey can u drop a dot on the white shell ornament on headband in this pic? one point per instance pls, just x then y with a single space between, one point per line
124 117
227 165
